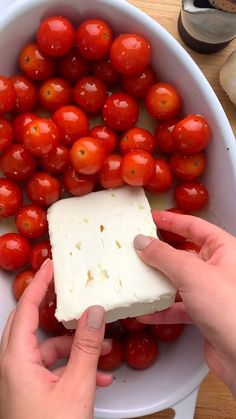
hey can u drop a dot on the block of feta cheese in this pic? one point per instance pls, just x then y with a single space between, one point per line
94 258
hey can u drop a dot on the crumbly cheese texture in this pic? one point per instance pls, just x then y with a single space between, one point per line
94 258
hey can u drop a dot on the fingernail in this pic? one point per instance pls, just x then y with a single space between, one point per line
140 242
45 263
95 317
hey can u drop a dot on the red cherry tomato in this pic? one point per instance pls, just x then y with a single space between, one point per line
7 95
90 94
137 139
104 71
72 124
57 161
137 86
137 167
188 246
43 189
17 163
130 54
132 325
94 39
163 102
10 198
31 221
163 135
141 350
192 134
87 156
41 136
35 64
47 319
162 178
114 359
39 253
55 36
73 66
14 251
120 112
6 134
21 282
26 94
191 196
188 167
168 236
105 136
166 332
19 123
110 174
78 185
115 329
55 93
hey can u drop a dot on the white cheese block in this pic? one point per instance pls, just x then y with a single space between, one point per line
94 258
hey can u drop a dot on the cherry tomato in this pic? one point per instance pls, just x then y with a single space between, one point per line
47 319
104 71
137 86
43 189
141 350
57 161
87 156
31 221
191 196
21 282
130 54
26 94
137 139
114 359
168 236
162 178
192 134
163 102
6 134
166 332
163 135
78 185
132 325
137 167
39 253
188 246
188 167
72 124
14 251
94 39
7 95
90 94
110 174
120 112
41 136
73 66
115 329
35 64
17 163
55 36
19 123
105 136
10 198
54 93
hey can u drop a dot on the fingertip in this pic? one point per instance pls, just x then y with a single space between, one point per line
141 242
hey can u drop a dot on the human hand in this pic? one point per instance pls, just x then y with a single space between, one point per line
27 388
206 282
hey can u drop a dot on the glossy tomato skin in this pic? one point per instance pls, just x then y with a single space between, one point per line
130 54
163 135
77 184
168 236
94 39
110 174
87 156
105 136
114 359
72 124
188 246
161 179
137 139
141 350
163 102
120 112
26 94
35 64
14 251
39 253
7 95
90 94
19 123
17 163
188 167
192 134
6 134
31 221
104 71
191 196
57 161
166 332
55 93
137 167
21 282
55 36
137 86
132 325
43 189
41 136
10 198
47 319
73 66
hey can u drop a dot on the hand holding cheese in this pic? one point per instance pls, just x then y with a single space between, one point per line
206 282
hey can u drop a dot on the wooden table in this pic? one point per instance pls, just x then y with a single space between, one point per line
215 400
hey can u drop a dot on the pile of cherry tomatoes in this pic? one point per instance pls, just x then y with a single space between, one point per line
48 149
